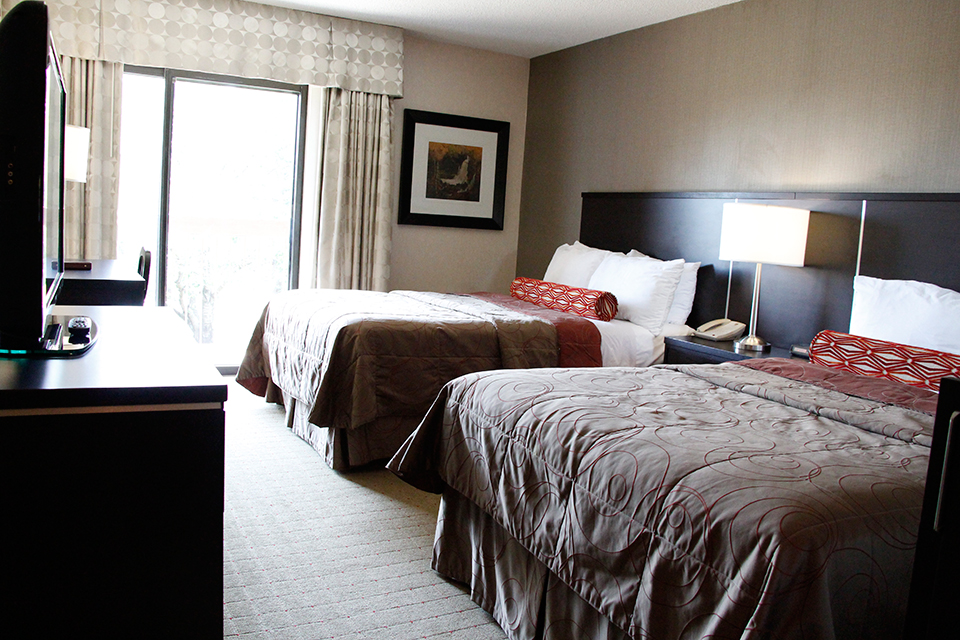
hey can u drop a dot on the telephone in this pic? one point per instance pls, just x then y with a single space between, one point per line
720 329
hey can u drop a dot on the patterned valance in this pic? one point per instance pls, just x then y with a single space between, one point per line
232 37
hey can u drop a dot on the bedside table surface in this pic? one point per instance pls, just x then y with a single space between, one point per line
710 351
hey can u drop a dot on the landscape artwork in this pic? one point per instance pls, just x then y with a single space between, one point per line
453 172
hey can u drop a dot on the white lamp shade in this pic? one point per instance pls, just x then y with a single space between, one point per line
76 150
764 233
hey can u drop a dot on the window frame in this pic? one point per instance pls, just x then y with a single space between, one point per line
170 76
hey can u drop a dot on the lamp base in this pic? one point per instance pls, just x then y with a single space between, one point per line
751 343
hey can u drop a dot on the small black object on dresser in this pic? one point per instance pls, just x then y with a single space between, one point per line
106 283
693 350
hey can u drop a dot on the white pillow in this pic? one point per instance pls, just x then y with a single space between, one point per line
683 299
906 311
644 287
573 265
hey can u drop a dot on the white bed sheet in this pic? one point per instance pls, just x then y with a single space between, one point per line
624 344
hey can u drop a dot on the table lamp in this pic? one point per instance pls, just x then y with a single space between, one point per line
762 234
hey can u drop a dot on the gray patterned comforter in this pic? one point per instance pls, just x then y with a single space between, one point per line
696 501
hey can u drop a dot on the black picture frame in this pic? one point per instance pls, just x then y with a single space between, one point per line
445 174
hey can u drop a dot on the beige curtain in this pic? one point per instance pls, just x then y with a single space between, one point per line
353 245
90 209
232 37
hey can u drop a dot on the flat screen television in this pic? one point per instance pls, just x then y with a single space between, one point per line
32 119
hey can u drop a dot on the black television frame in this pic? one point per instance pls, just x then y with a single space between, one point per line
31 158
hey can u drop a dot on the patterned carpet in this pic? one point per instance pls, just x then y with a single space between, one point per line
310 553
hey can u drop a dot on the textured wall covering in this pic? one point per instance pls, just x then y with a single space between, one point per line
232 37
760 95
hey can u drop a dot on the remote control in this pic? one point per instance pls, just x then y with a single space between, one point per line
79 326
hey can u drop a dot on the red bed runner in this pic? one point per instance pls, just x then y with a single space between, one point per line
578 339
876 389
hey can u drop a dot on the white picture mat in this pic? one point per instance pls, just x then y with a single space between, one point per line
427 133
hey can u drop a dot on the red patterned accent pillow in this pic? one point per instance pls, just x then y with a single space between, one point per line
589 303
881 359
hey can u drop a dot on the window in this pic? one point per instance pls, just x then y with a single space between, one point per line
211 181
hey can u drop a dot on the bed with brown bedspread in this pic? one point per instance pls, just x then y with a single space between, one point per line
773 500
356 370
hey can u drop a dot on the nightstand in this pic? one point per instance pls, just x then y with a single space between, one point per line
693 350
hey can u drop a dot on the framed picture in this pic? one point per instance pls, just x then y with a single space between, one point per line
453 170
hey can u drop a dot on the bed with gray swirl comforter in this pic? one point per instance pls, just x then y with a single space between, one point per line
775 500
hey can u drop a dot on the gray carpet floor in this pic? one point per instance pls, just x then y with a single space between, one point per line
311 553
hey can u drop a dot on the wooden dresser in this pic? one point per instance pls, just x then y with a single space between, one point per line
112 471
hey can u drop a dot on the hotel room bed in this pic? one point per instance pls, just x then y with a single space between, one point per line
769 499
356 370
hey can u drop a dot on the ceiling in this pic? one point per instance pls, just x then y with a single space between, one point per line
525 28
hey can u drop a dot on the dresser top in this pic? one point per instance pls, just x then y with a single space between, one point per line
142 356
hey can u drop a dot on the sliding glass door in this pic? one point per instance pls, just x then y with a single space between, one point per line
228 218
141 166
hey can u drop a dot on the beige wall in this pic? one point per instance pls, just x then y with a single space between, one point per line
761 95
462 81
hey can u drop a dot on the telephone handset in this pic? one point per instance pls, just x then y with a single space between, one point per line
720 329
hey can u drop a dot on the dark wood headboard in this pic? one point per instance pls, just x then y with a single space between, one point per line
886 235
